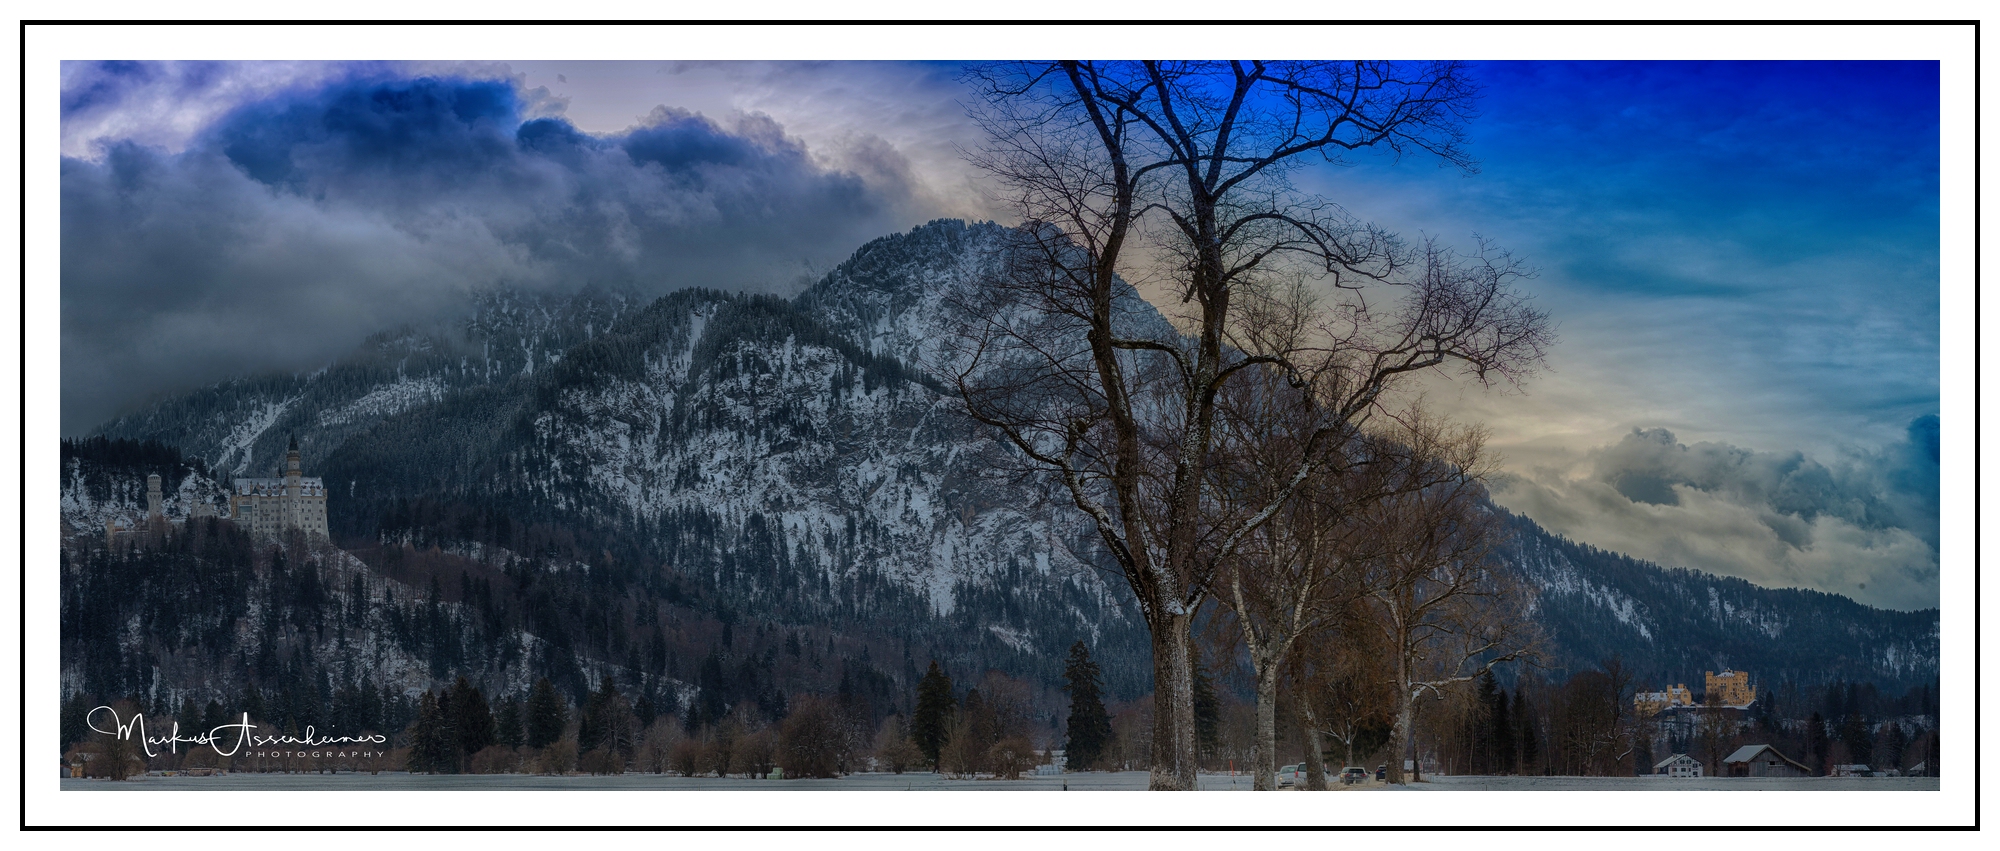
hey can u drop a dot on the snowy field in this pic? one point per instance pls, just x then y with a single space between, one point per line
1124 780
1670 784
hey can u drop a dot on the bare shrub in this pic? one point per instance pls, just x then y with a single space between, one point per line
559 758
601 761
961 755
753 754
1009 757
497 759
809 741
656 748
685 757
894 749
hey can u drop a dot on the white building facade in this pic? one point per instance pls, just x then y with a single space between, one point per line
269 507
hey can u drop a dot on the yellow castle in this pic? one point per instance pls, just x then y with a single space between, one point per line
1730 688
1651 702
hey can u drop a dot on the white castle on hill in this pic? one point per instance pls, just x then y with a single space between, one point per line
271 506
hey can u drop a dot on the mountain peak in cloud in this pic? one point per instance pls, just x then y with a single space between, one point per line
372 198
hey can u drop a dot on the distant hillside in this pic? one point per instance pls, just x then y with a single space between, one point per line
1670 625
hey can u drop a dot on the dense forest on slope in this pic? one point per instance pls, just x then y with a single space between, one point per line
1671 624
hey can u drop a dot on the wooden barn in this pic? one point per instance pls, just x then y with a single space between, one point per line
1762 761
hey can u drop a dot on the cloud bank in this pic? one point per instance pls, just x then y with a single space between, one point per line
291 225
1866 527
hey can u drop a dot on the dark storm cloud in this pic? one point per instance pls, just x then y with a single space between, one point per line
1866 527
290 227
105 84
1896 488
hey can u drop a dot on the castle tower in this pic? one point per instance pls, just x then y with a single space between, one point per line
154 503
292 491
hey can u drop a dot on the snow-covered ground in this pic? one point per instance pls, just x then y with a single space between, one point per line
1088 781
1671 784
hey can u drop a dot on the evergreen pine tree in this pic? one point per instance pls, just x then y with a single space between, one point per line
644 711
1894 741
189 718
1524 722
930 724
73 725
594 726
253 703
449 759
1501 735
976 725
472 723
428 738
546 715
1860 745
1482 753
507 724
369 714
1816 743
1089 724
214 716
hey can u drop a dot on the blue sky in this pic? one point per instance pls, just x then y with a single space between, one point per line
1743 257
1777 219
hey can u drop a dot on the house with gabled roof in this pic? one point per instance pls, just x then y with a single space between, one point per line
1678 765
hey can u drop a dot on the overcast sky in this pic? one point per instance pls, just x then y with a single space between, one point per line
1743 258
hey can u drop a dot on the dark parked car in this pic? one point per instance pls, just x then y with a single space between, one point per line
1382 772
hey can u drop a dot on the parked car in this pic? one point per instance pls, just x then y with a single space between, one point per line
1290 775
1353 774
1382 772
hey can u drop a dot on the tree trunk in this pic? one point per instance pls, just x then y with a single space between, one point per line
1173 707
1315 763
1399 740
1263 750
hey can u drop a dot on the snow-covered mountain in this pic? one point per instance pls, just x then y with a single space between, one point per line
645 483
729 454
240 426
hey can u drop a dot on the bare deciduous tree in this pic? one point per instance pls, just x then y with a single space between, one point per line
1587 721
1340 677
1715 729
1059 357
1296 574
1446 613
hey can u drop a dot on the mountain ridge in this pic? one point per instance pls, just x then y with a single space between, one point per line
799 461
